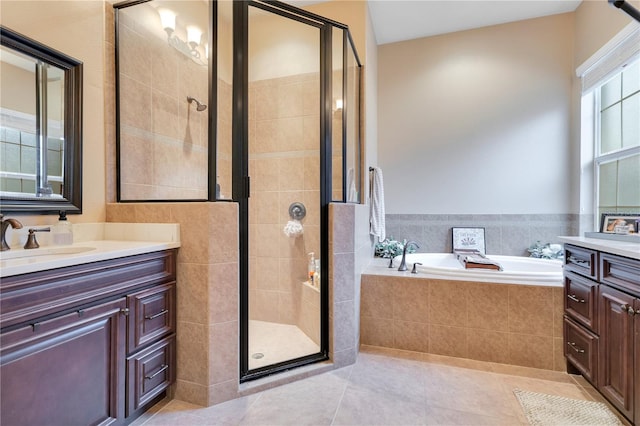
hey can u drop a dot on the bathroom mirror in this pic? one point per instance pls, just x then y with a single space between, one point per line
40 127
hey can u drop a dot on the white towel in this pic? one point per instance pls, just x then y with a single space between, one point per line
352 193
376 214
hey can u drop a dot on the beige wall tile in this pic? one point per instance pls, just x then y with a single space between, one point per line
117 212
192 352
376 332
531 310
558 311
223 363
153 213
192 293
531 351
448 303
377 297
487 306
486 345
559 360
194 393
223 292
411 336
343 326
342 220
410 299
449 341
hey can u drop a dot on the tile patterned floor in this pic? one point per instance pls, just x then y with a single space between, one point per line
386 387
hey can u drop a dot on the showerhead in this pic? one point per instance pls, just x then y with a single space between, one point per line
199 106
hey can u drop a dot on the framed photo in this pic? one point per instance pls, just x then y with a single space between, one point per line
619 223
468 239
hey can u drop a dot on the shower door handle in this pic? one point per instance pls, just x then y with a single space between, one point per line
247 186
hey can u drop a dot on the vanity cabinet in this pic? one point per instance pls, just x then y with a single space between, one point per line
87 344
602 324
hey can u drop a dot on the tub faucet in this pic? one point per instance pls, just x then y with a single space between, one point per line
403 263
4 224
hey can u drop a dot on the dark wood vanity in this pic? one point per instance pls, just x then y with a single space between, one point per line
602 324
88 344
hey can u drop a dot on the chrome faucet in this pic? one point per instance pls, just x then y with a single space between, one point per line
403 263
4 224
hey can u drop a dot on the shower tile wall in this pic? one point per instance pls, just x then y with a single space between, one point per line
284 167
207 294
504 234
163 137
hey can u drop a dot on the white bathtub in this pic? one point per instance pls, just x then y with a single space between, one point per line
516 270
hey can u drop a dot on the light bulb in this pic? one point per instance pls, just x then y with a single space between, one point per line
338 103
193 36
167 19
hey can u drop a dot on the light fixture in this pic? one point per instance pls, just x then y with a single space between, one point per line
338 104
188 48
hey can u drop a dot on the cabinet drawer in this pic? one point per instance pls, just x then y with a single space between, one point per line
620 272
581 349
580 300
150 372
581 260
152 315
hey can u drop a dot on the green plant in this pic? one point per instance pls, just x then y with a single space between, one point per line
391 248
546 251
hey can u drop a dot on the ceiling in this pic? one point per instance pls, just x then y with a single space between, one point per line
397 20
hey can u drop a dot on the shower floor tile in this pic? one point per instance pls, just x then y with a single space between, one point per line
386 387
276 343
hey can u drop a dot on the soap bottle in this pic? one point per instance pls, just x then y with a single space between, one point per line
316 275
62 233
312 268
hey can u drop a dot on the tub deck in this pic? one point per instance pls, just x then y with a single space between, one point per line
486 321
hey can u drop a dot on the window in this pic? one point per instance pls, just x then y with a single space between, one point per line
617 142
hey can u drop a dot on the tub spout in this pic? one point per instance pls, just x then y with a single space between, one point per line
403 263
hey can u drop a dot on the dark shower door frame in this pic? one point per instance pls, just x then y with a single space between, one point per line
241 180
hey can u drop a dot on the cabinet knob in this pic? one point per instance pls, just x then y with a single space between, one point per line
629 310
124 311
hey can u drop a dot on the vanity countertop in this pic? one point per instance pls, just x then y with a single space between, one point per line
93 242
621 248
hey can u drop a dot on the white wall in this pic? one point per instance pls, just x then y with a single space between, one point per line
478 121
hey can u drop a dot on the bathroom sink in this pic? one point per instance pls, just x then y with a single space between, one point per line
44 251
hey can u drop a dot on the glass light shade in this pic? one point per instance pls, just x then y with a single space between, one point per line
167 19
193 35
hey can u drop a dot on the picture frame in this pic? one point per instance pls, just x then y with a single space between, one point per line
619 223
468 239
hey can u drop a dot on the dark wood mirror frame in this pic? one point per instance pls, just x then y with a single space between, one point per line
71 200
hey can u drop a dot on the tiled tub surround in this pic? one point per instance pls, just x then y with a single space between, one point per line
504 323
505 234
208 294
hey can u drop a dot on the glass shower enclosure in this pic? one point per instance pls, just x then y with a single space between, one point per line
261 107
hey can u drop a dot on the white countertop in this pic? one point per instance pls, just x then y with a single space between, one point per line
621 248
93 242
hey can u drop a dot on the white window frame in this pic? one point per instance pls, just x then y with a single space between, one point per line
607 62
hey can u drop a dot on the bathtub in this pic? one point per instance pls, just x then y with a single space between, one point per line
516 270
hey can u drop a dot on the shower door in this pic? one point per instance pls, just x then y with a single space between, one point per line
281 312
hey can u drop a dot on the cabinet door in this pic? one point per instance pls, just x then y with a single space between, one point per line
616 349
68 370
153 315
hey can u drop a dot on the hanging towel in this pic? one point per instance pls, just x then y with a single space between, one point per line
352 193
376 214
